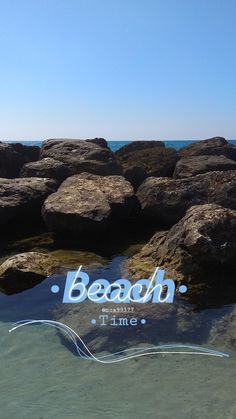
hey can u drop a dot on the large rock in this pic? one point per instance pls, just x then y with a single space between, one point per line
88 202
46 167
14 156
215 146
201 247
25 270
164 323
82 156
140 162
138 145
166 200
99 141
194 165
23 198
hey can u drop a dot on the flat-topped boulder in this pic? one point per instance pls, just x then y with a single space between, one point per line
143 160
23 197
215 146
46 167
194 165
200 247
13 156
88 202
166 200
82 156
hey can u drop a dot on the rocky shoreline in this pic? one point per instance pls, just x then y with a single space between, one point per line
79 191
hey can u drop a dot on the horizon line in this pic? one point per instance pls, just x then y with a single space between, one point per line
109 140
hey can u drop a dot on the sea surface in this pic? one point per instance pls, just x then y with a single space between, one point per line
116 144
43 377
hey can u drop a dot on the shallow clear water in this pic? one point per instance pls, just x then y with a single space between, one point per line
43 378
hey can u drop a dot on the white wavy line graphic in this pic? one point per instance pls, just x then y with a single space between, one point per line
136 352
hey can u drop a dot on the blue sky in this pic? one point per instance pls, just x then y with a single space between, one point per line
120 69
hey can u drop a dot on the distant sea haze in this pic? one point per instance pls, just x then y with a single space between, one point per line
116 144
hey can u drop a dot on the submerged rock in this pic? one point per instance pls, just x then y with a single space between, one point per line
215 146
230 328
14 156
193 165
166 200
82 156
22 198
88 202
164 323
201 247
140 162
223 331
112 338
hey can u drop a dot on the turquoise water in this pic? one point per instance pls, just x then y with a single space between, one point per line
42 376
116 144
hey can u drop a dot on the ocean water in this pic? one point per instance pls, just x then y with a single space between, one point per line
43 377
116 144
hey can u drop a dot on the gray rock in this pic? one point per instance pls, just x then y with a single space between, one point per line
46 167
99 141
13 156
82 156
215 146
138 145
167 200
229 332
152 161
23 197
198 248
193 165
25 270
88 202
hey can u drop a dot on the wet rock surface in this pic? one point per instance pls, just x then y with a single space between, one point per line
164 323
